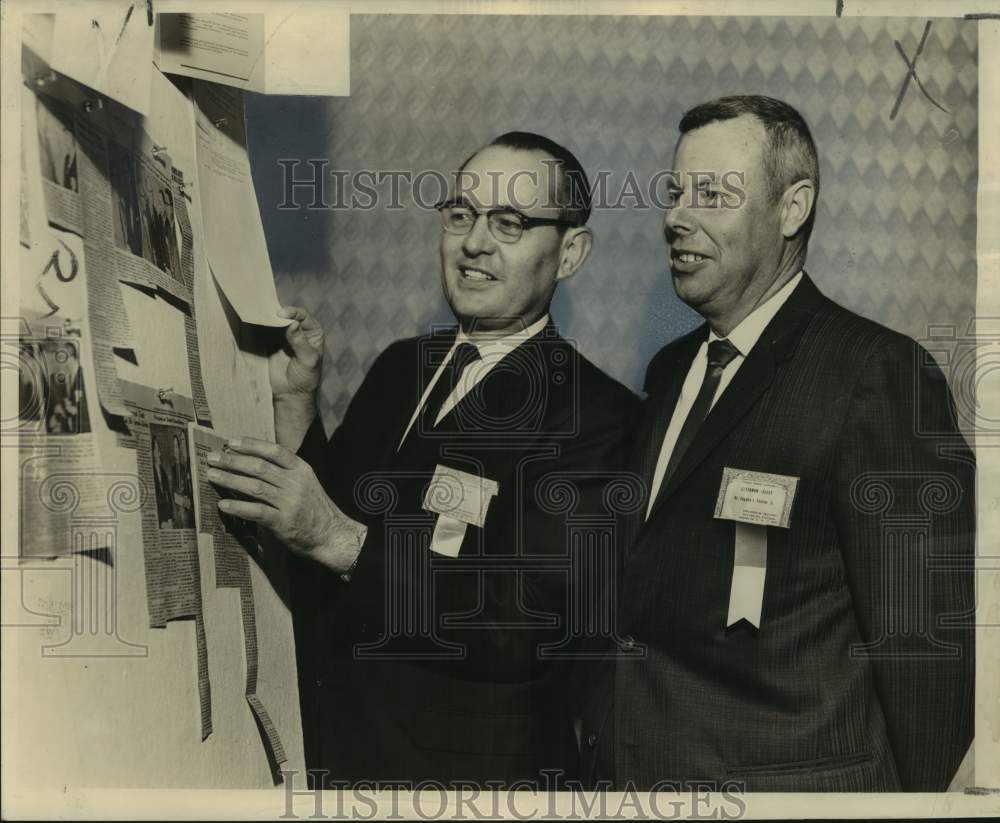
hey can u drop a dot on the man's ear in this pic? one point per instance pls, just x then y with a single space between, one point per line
576 246
796 206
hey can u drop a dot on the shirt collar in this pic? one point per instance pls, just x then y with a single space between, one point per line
745 336
499 346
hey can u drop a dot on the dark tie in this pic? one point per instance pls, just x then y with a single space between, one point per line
464 356
720 354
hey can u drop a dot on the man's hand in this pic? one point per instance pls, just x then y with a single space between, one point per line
295 371
296 368
287 499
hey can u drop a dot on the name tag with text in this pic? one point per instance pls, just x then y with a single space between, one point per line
460 495
756 498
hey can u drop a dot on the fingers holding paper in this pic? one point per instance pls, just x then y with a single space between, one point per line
286 498
295 370
297 367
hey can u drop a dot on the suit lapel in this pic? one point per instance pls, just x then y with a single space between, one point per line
750 382
502 399
754 377
663 385
427 354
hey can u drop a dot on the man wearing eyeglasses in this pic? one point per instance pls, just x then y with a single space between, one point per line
431 535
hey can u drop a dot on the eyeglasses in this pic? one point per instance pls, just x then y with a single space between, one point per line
505 224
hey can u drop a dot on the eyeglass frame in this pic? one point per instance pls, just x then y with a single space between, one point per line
528 222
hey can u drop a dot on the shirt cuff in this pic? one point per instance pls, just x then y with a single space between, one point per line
354 534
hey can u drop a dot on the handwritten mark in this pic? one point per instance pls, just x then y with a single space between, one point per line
53 307
912 74
61 276
54 261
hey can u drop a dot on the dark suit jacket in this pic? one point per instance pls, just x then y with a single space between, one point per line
861 676
429 667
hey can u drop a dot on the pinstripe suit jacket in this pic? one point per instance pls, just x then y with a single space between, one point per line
861 675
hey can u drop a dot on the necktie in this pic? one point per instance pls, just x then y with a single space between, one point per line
720 354
464 356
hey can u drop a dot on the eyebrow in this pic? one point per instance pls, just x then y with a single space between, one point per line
454 201
466 203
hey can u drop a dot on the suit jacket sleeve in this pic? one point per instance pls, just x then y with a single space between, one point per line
314 589
904 469
339 461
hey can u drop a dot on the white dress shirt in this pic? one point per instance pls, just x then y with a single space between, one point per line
744 337
491 351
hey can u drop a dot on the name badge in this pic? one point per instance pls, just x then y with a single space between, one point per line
756 498
459 499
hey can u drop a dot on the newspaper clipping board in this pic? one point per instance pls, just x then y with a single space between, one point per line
155 625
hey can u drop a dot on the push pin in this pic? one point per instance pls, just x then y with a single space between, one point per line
221 122
163 395
44 79
91 105
158 149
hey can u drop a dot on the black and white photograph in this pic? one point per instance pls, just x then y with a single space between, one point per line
171 476
125 193
51 389
618 437
156 215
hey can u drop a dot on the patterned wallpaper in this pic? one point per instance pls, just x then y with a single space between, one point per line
896 227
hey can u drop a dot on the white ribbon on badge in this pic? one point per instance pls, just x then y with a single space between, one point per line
459 499
746 595
448 535
754 501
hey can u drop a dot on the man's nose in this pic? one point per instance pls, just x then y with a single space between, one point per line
677 220
479 240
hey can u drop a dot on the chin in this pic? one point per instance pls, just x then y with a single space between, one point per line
686 290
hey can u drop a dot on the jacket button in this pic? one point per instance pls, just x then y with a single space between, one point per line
627 643
363 629
591 740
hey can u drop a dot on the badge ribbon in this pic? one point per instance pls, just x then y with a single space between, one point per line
459 499
754 501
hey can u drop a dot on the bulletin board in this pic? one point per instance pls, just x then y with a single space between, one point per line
147 642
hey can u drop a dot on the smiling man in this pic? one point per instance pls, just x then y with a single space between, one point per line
798 594
429 535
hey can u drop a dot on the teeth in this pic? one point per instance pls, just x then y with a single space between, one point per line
689 257
476 274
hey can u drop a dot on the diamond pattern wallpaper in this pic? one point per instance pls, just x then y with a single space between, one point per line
895 235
